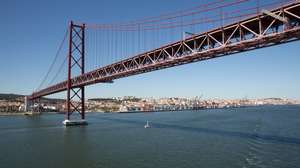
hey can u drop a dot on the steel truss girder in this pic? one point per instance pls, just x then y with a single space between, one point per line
254 32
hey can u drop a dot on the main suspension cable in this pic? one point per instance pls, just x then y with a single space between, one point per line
54 61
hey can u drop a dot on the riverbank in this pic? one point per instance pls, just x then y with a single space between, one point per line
11 114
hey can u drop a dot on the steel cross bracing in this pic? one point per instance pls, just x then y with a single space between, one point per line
259 31
75 94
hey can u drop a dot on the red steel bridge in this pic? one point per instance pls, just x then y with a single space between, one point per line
224 31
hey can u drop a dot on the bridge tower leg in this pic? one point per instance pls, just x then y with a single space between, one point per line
75 94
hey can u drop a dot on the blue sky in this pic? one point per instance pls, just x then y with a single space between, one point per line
32 30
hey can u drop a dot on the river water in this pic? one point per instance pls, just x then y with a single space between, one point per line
251 137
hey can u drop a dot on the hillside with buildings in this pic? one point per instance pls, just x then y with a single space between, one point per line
13 103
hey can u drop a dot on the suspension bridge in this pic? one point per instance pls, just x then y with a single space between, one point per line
101 53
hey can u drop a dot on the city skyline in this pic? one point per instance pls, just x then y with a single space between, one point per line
268 72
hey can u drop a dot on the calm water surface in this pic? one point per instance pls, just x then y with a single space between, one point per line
266 137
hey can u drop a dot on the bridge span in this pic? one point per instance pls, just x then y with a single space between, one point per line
264 29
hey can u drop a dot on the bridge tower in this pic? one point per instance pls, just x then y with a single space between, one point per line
75 94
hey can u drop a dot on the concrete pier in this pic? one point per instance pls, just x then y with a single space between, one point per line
29 108
27 104
75 122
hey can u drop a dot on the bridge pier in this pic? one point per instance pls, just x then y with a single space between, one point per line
29 107
27 104
75 94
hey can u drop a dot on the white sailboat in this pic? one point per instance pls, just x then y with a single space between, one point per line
147 125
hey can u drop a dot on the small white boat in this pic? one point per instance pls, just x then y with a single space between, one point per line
147 125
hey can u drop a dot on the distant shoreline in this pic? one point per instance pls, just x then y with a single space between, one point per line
11 114
150 111
153 111
157 111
